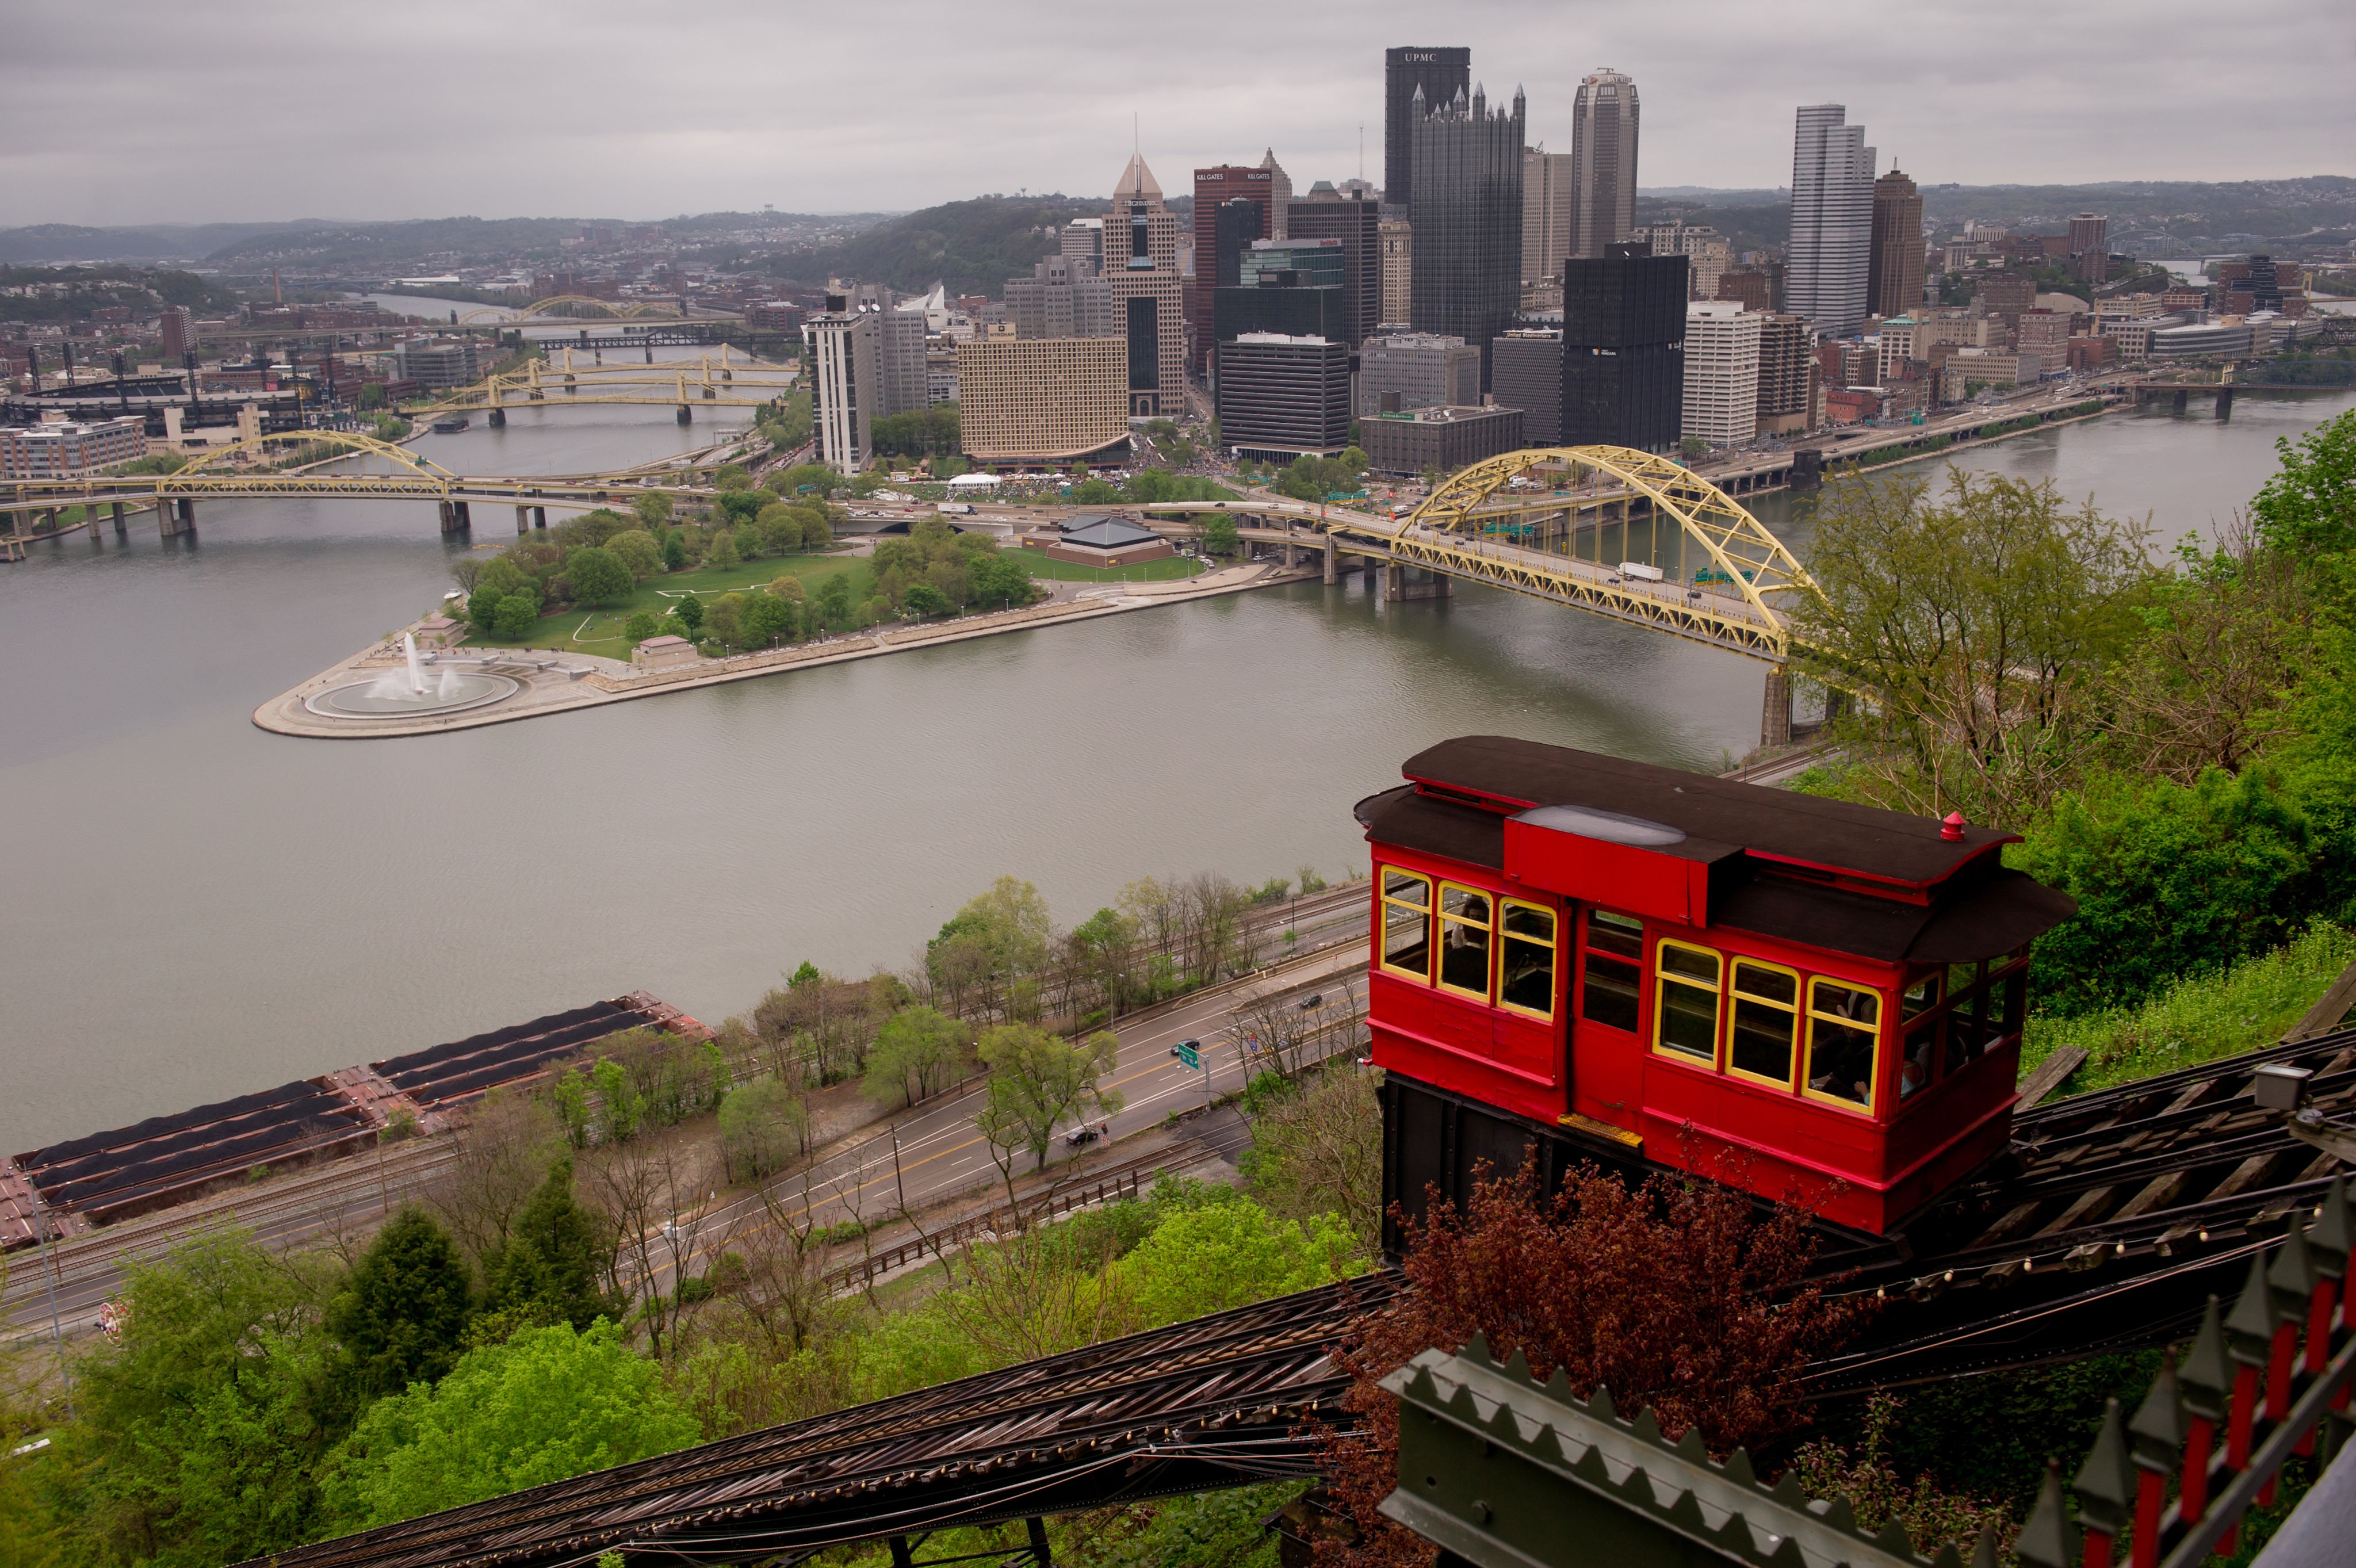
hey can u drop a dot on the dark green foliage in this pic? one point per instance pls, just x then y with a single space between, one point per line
689 611
401 1316
547 1272
970 247
2171 881
767 618
674 552
1220 535
90 289
597 575
924 599
742 506
931 431
1989 1436
515 616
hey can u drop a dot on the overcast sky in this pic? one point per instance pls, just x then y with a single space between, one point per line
133 111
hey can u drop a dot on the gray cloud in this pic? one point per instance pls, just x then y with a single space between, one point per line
141 112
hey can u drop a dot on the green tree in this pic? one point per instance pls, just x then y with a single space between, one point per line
200 1435
833 601
817 532
1209 1258
2309 508
1151 486
1318 1149
674 552
1095 492
638 551
638 627
402 1315
764 1123
546 1271
919 1051
815 478
926 600
689 611
653 508
622 1102
548 1404
515 616
724 551
598 576
1974 630
1037 1080
768 620
731 476
1220 535
483 608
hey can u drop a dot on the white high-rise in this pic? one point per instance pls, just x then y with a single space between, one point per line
1826 267
1721 402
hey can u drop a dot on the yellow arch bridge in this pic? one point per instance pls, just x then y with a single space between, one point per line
721 379
1609 531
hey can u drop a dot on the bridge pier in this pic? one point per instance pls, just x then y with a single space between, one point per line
540 517
121 528
523 520
1401 584
686 413
1333 561
456 518
2225 401
650 352
2182 398
1775 712
177 517
498 418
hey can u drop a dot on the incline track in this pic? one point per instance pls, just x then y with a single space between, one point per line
2107 1224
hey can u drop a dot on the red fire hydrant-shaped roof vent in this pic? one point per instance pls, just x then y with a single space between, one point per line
1952 830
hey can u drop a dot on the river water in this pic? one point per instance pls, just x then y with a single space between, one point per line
196 908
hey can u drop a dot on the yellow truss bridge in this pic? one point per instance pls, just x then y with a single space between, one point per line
1607 530
572 307
716 380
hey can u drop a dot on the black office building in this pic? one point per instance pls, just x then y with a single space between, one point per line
1623 349
1527 375
1238 225
1440 74
1466 214
1280 306
1326 214
1279 396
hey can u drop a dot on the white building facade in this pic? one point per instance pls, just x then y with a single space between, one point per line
1721 402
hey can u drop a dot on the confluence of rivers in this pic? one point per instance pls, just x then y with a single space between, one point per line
196 909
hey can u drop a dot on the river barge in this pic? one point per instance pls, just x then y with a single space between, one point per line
69 1187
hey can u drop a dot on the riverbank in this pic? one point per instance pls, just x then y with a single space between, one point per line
558 683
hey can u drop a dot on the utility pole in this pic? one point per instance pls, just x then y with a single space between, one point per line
57 1330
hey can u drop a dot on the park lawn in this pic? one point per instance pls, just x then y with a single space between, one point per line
581 630
1167 569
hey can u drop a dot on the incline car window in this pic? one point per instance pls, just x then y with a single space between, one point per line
1843 1022
1467 916
1614 976
1685 1007
1766 1018
1525 959
1407 923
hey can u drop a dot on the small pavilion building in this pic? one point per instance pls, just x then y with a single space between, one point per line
1101 540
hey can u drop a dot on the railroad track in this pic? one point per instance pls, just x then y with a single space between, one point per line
2107 1224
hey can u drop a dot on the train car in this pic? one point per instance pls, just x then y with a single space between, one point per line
1607 959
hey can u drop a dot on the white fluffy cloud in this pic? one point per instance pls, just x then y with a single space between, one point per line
142 111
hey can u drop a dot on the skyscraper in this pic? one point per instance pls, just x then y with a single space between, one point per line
1832 221
1326 214
1623 327
1142 264
1603 155
2090 246
1440 74
1399 271
1280 194
1895 262
1467 218
1546 216
1213 187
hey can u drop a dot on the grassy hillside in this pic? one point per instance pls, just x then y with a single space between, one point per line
87 289
971 246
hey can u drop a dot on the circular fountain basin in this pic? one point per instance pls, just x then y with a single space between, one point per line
391 696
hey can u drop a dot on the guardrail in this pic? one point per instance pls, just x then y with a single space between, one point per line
1127 1181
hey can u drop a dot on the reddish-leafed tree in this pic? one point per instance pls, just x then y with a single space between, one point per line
1677 1294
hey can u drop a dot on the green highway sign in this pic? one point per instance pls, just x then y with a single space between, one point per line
1188 1055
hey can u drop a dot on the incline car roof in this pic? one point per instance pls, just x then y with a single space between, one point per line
1773 825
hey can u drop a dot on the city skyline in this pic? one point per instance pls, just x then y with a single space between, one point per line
478 124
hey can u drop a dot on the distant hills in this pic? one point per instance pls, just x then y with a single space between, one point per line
973 246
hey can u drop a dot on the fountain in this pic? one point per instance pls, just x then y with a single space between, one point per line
405 693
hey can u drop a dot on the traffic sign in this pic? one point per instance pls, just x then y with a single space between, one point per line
1187 1055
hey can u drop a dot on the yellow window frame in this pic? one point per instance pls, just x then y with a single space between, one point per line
1422 911
1807 1063
1663 980
1552 944
1442 919
1736 995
